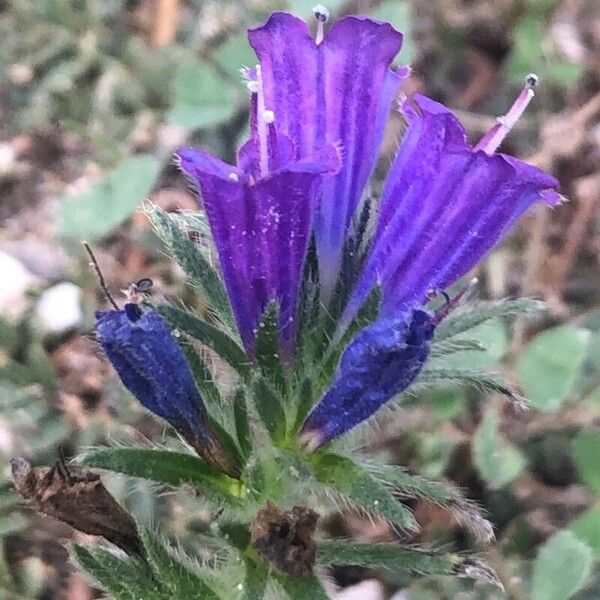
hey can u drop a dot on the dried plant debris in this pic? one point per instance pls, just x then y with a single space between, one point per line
285 538
78 498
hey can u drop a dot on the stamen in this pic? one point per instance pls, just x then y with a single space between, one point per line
451 303
96 266
490 142
262 125
322 15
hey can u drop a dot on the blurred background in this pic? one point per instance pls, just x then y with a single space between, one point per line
94 98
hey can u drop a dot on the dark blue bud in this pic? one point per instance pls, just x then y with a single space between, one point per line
379 363
153 368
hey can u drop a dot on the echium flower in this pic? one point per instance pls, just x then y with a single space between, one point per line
153 368
445 204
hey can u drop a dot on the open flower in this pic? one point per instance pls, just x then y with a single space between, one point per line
445 204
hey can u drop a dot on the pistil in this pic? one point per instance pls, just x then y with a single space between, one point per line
490 142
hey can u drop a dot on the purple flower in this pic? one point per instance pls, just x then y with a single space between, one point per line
445 204
336 89
153 368
261 216
379 363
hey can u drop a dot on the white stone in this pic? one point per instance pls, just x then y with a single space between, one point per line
59 308
370 589
15 281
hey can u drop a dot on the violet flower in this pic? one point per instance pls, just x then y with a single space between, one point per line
153 368
261 217
445 204
337 89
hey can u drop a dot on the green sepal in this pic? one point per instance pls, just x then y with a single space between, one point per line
255 580
203 378
191 259
209 335
164 466
269 407
242 422
474 314
350 480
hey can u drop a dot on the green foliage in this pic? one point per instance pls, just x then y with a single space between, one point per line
498 461
360 489
267 346
561 568
587 528
550 366
528 51
164 466
201 98
586 451
301 588
93 213
193 261
242 422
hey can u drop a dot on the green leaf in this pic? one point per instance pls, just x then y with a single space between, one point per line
391 557
242 422
192 260
561 567
93 213
129 579
550 365
216 339
172 468
498 462
409 485
473 314
270 409
203 378
171 573
301 588
234 54
201 97
587 528
586 451
348 479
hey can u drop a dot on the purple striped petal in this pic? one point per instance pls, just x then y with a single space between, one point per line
443 208
261 230
339 91
378 364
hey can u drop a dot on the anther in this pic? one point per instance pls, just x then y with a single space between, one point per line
268 116
322 15
252 86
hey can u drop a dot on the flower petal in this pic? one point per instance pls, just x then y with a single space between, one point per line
261 232
339 91
378 364
443 208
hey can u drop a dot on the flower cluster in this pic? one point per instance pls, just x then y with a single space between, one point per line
290 216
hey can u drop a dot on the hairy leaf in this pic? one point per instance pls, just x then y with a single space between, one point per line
163 466
351 481
409 485
270 408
